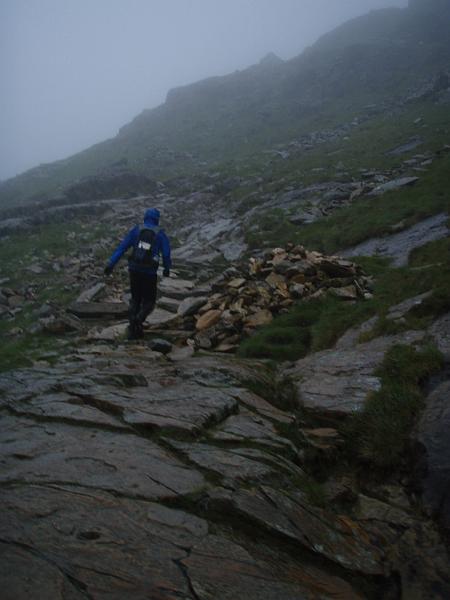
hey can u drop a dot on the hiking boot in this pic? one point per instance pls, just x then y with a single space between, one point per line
135 330
139 331
131 333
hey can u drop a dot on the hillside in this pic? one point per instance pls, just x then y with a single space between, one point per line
380 60
281 430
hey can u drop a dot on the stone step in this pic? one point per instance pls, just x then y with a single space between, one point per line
99 310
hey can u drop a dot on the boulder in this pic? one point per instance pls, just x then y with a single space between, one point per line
434 466
160 345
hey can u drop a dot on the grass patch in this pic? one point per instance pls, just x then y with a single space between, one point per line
24 351
42 247
275 389
314 491
434 254
380 433
308 327
426 273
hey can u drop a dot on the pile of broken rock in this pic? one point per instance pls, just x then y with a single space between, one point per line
241 301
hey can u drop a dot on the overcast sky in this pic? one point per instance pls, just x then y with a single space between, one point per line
74 71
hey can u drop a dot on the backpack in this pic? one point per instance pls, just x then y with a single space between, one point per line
143 250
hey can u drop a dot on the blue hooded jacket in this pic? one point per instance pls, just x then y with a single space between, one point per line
160 246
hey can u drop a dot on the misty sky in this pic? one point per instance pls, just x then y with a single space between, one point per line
74 71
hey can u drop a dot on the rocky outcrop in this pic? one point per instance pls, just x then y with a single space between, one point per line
336 382
398 246
393 185
126 473
434 449
112 184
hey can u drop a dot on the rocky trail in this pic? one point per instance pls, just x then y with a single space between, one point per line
125 474
149 470
134 473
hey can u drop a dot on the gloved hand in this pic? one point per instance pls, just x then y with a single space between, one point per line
108 270
166 273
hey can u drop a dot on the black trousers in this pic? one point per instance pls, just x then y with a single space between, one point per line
143 296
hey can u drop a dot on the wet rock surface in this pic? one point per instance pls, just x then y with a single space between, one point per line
336 381
399 245
126 474
433 438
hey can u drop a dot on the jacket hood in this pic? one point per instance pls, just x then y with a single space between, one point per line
152 216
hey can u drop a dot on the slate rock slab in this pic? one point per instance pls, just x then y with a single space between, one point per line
338 538
187 408
250 427
90 293
236 464
189 306
63 543
221 569
440 330
60 406
160 318
176 288
406 147
399 245
336 382
126 464
395 184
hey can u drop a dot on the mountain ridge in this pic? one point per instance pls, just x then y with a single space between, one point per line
381 57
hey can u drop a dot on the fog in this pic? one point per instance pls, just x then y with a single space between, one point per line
74 71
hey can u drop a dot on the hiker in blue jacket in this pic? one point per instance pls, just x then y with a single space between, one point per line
148 242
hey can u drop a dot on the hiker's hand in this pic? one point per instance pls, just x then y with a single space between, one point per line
166 273
108 270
